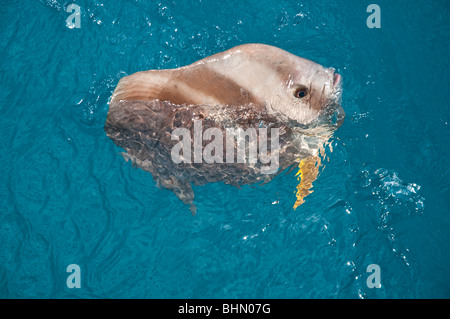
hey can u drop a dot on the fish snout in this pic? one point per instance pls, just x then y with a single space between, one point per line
337 79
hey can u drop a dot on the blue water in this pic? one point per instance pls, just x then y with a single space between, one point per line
68 197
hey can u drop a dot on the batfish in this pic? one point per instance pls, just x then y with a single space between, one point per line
239 117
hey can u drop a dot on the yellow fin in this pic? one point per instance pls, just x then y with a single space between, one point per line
308 171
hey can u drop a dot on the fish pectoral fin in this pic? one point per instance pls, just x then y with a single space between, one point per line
308 171
183 190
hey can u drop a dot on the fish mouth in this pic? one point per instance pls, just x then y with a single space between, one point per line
337 78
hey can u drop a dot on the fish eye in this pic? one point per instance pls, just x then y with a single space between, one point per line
301 92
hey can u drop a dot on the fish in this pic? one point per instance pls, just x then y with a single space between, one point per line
241 117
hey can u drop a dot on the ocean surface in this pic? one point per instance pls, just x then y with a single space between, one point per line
68 197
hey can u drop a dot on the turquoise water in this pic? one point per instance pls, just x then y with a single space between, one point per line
68 197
